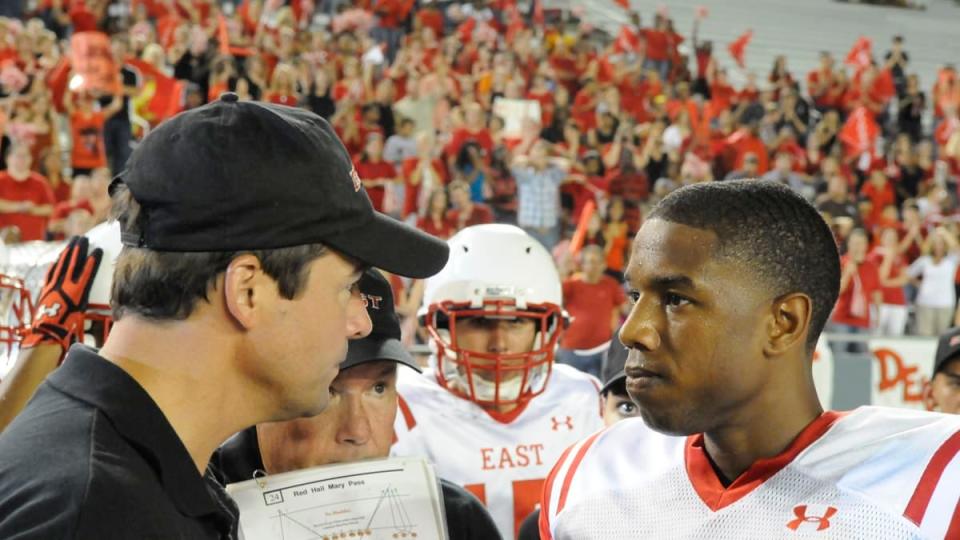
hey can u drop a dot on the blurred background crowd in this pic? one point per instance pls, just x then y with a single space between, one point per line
498 111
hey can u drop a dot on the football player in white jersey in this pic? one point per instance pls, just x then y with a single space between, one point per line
494 412
732 283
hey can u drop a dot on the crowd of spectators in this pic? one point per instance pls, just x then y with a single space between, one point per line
466 113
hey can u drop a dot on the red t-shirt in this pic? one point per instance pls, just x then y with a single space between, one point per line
463 135
753 145
83 19
479 215
431 18
580 195
412 191
443 230
591 307
35 189
87 133
869 282
372 170
880 197
891 295
62 192
657 44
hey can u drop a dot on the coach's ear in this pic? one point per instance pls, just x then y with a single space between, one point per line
246 289
929 400
789 323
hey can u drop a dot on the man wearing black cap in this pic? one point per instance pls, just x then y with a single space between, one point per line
245 228
943 392
357 425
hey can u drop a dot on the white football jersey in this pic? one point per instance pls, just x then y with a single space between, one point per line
503 464
871 473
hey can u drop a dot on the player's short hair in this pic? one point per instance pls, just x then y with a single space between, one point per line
775 233
166 285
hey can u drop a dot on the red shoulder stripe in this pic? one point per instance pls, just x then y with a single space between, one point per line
545 496
407 414
954 530
917 506
567 480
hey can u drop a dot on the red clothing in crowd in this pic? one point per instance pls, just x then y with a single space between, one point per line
430 17
35 189
464 135
591 307
880 197
373 170
750 144
82 19
480 214
86 131
412 191
443 228
853 305
891 295
658 44
392 13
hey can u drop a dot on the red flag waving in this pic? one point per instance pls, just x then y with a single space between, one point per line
168 92
859 132
627 41
861 53
625 4
883 86
57 82
739 47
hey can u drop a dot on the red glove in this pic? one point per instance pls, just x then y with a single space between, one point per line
59 312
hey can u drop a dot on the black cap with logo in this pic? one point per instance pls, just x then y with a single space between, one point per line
948 349
383 343
237 175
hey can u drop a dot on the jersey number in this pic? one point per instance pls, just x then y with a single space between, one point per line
526 496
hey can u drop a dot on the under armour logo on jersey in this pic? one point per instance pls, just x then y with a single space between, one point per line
823 522
48 311
558 421
371 301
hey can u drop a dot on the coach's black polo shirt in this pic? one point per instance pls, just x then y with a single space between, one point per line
92 456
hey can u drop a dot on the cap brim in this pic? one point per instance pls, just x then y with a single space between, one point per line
612 381
365 350
393 246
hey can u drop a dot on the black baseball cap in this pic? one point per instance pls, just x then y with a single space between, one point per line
948 349
618 378
383 343
241 175
614 358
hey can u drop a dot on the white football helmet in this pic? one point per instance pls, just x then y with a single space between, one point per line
16 306
98 318
494 271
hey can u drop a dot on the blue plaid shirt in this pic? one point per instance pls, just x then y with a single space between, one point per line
538 196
